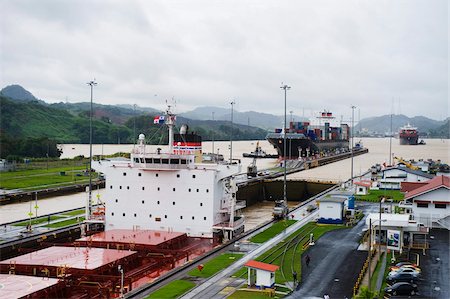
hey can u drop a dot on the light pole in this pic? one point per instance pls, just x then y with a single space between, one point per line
89 204
353 134
390 144
121 280
231 133
286 88
134 124
213 135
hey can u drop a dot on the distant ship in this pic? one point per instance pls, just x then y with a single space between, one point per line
304 139
408 135
259 153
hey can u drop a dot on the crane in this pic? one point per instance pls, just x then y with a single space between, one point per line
406 163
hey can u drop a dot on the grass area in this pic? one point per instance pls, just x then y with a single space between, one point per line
65 223
267 257
375 195
215 265
74 213
272 231
39 220
374 277
173 289
242 294
36 178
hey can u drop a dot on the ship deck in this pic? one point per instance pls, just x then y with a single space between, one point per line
136 238
82 258
19 286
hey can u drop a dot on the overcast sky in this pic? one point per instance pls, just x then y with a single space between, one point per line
334 54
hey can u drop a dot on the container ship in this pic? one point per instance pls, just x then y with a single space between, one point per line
304 139
408 135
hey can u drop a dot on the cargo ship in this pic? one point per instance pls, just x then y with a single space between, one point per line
408 135
305 139
177 188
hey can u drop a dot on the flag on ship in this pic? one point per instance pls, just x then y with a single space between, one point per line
158 119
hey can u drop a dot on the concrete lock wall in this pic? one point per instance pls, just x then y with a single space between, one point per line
273 190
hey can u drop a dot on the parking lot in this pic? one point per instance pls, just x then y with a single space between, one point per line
435 279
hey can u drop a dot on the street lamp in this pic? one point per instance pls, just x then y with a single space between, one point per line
231 133
352 131
286 88
89 205
213 136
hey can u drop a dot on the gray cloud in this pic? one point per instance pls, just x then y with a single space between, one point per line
332 53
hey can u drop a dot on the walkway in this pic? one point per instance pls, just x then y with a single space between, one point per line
218 285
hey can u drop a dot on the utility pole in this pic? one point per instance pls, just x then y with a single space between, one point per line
212 137
134 125
231 133
353 134
89 203
286 88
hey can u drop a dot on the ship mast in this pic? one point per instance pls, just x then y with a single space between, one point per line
170 122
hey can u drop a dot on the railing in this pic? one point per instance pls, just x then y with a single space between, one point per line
362 273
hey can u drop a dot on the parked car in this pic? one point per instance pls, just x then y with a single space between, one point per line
401 288
311 208
401 277
414 267
404 270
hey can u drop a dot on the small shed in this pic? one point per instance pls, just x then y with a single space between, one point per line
331 210
260 274
362 188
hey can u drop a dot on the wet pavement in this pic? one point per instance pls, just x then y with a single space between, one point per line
335 264
435 280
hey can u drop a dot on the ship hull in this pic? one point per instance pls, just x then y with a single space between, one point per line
411 140
301 146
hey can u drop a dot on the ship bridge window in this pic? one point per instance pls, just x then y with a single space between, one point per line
183 161
148 160
174 161
157 161
165 161
142 160
136 160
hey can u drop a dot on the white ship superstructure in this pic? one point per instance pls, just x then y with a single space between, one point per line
173 190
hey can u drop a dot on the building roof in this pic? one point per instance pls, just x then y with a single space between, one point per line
436 183
412 171
364 184
332 199
410 186
261 266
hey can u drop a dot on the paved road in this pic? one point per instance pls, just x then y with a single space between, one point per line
335 264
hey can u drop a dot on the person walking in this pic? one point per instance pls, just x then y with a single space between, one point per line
307 260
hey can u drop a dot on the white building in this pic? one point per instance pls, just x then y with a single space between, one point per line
393 177
362 187
411 233
260 274
430 203
331 209
173 190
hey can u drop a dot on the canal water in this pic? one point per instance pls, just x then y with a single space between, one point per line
339 171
